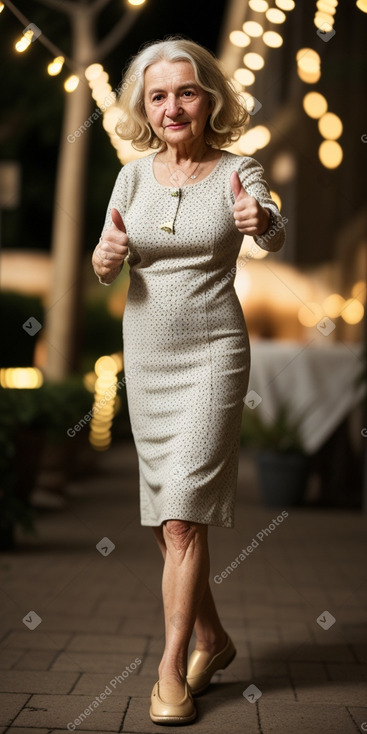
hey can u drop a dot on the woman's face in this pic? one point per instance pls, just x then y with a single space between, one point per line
177 108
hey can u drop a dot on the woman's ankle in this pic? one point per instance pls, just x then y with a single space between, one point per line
211 642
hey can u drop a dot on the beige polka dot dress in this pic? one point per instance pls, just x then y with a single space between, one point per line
186 348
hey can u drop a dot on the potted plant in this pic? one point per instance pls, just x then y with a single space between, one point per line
29 418
283 465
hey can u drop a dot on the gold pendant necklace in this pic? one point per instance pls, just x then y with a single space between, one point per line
178 173
177 178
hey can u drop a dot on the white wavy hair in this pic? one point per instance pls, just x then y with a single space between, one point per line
228 118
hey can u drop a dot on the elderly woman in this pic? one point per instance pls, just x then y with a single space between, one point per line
178 216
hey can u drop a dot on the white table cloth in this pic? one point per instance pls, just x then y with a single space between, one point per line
318 384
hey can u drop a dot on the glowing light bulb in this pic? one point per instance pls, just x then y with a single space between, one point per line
240 39
330 126
71 83
24 42
275 15
272 39
253 29
315 105
254 61
55 66
330 154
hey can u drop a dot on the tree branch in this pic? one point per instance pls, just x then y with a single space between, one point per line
42 38
98 5
64 6
117 33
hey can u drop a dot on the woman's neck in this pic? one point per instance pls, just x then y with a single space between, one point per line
184 152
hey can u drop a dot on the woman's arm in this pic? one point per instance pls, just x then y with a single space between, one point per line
254 210
112 249
109 255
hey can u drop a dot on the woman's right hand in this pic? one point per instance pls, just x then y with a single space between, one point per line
109 255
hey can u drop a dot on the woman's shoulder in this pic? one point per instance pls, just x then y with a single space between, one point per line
135 166
240 162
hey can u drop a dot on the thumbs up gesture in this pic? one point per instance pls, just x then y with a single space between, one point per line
250 218
109 255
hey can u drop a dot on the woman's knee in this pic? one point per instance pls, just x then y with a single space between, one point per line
180 533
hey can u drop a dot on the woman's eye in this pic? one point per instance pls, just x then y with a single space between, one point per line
157 98
188 93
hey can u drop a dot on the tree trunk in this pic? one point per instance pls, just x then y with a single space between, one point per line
67 239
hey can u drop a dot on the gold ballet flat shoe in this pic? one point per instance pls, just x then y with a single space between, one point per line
199 674
180 712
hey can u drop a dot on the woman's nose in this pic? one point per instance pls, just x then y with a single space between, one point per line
172 106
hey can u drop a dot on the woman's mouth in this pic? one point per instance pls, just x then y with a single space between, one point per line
177 126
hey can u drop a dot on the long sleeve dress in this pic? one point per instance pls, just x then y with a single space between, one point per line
185 341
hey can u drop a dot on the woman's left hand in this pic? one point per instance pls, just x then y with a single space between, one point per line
250 218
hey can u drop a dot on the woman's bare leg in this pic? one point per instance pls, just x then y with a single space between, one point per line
185 575
210 635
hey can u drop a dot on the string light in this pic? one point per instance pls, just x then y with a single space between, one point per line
240 39
315 105
285 4
330 154
255 139
324 16
55 66
71 83
253 29
353 311
32 32
21 378
254 61
362 5
273 39
330 126
244 76
308 65
275 16
24 42
258 6
105 391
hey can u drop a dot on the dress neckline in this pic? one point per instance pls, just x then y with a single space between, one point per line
163 186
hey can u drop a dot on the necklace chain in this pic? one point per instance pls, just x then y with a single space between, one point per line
193 175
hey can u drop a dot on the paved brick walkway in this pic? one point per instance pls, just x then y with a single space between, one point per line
98 645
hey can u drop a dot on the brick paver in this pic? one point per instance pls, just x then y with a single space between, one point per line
102 614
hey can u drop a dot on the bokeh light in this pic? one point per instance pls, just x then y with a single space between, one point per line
253 29
353 311
272 39
254 61
330 126
310 314
240 39
330 154
315 105
274 15
259 6
333 305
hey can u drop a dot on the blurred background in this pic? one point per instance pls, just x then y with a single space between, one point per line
302 70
